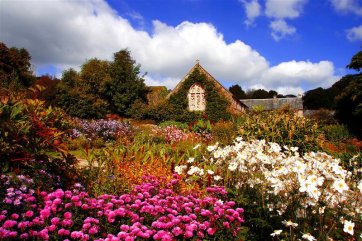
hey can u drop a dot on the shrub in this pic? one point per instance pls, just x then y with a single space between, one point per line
283 127
336 133
28 133
224 132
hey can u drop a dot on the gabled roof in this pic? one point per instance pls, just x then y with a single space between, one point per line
218 86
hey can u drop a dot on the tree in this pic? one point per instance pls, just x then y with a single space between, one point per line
237 91
15 69
102 87
126 86
318 98
349 105
356 62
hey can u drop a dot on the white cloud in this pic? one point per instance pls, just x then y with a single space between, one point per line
347 6
284 8
297 73
252 10
280 29
355 34
66 33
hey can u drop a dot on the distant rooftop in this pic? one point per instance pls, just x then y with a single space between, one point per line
295 103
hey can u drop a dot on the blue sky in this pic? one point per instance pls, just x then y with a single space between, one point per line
287 45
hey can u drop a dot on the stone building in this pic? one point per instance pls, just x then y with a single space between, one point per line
196 93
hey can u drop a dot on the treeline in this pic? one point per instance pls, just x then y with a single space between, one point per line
239 93
116 87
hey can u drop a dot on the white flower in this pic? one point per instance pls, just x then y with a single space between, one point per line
340 185
232 166
217 178
195 170
211 148
191 160
197 146
348 227
360 186
179 169
210 172
289 223
276 233
308 237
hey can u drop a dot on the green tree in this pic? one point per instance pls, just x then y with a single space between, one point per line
102 87
318 98
126 86
237 91
15 69
349 105
356 62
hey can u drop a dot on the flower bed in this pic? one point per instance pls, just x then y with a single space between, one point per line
148 212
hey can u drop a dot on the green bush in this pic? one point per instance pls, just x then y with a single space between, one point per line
336 133
283 127
224 132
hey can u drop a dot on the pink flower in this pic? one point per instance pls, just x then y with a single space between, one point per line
14 216
68 215
93 230
211 231
9 224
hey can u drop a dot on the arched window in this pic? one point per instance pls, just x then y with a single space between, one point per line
196 98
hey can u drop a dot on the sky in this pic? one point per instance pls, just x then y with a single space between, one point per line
290 46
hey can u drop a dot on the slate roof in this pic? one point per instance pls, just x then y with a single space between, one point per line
295 103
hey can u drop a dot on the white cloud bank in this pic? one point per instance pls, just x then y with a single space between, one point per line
66 33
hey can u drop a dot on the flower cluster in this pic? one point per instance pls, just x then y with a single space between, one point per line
105 129
292 185
171 133
149 211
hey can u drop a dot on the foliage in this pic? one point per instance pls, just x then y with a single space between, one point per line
28 131
224 132
323 117
349 106
216 105
181 125
356 62
102 87
312 191
318 98
336 133
237 91
281 126
15 72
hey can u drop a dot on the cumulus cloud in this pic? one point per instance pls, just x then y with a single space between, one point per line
347 6
280 29
252 10
355 34
66 33
284 9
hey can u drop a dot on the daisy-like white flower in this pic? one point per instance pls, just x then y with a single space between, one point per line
210 172
340 185
308 237
232 166
348 227
179 169
289 223
217 178
191 160
276 233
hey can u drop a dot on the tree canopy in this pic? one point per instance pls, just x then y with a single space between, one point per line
102 87
15 67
